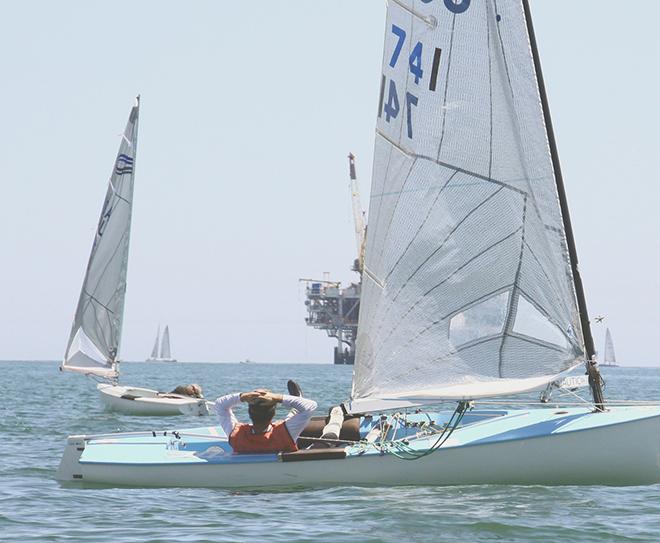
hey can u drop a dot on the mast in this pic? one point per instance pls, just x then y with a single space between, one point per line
358 215
595 381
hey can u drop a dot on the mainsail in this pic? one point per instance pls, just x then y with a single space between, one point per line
93 346
468 289
165 345
609 357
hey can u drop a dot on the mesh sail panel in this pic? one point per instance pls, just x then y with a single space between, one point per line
467 289
96 332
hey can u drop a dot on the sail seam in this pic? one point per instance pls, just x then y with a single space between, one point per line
444 98
449 166
463 308
513 299
419 229
442 244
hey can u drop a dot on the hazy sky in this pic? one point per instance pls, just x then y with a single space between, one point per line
248 112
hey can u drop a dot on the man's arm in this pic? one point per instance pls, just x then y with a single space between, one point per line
304 407
223 407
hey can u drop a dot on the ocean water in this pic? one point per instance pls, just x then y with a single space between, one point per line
39 407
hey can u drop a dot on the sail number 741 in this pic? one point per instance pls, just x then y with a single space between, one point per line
391 106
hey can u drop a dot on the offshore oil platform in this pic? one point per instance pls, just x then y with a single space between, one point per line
331 307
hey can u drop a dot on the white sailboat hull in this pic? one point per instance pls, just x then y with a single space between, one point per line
618 449
161 360
147 402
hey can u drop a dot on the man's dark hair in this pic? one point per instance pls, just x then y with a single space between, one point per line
261 412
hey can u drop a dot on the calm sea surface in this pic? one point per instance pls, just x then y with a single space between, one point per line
39 407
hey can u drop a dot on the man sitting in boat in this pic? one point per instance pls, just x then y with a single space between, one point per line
193 390
263 435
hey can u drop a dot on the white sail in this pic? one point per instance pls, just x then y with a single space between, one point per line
165 345
154 350
96 332
609 357
467 286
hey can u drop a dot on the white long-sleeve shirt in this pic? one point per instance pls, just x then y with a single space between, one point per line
295 422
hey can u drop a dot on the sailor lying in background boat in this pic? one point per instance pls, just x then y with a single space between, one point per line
192 390
264 436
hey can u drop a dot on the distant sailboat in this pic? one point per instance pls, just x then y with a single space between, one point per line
93 347
609 358
165 354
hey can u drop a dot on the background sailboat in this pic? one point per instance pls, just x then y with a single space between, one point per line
161 351
609 357
95 339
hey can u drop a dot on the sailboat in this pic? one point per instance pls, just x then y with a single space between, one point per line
93 347
165 354
609 357
471 295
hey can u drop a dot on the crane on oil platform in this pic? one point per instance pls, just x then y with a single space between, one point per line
331 307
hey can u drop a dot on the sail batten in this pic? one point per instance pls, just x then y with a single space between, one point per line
466 233
95 337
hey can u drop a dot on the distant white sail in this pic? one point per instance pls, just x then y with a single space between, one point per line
609 357
154 351
95 338
165 345
467 286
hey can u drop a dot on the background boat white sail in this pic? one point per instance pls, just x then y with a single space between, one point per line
609 356
154 350
161 351
93 346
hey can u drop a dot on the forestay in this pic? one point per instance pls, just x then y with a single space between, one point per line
96 332
467 287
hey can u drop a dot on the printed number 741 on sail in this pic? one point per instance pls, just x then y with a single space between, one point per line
391 108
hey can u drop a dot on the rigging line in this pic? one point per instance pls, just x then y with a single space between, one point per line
567 392
428 19
468 262
405 452
470 173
